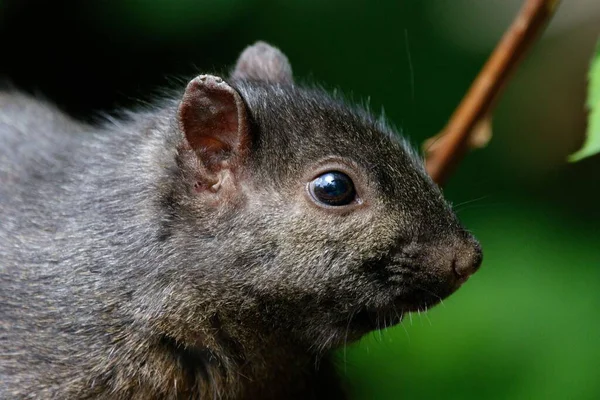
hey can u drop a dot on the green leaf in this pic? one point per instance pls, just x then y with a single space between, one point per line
592 142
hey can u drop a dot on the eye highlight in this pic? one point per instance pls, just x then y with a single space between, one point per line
333 188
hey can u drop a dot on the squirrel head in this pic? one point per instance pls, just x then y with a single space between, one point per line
305 215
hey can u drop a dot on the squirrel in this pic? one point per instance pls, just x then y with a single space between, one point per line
217 244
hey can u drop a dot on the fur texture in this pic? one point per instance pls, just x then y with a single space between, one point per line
121 279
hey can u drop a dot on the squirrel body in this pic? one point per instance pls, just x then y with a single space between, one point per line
215 245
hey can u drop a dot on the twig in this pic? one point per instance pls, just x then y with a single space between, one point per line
453 142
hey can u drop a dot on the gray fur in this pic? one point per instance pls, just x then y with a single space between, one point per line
119 281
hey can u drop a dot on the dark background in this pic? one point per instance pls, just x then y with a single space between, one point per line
525 326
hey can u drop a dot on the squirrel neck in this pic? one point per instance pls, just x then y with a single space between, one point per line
263 365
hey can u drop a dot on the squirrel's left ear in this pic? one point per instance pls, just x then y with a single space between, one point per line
263 62
215 122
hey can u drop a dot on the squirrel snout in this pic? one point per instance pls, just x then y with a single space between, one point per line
467 258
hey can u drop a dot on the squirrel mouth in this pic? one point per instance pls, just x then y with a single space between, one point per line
369 319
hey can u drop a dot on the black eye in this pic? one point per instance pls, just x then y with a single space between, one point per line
333 188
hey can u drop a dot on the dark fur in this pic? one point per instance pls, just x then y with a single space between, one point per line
118 280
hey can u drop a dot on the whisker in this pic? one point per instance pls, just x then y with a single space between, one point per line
430 292
432 143
410 64
480 205
456 206
402 323
427 316
346 339
405 331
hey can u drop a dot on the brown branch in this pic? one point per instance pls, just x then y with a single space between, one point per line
453 142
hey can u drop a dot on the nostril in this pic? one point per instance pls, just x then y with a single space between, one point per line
468 260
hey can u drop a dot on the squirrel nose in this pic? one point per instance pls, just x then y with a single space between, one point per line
467 259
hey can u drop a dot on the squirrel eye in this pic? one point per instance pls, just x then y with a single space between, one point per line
333 189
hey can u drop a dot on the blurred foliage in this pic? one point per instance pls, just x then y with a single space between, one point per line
592 143
166 19
524 326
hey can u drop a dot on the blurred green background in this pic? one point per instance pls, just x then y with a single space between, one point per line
525 326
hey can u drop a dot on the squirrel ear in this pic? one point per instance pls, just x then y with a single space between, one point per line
263 62
213 117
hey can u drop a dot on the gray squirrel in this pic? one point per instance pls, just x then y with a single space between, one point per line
215 245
